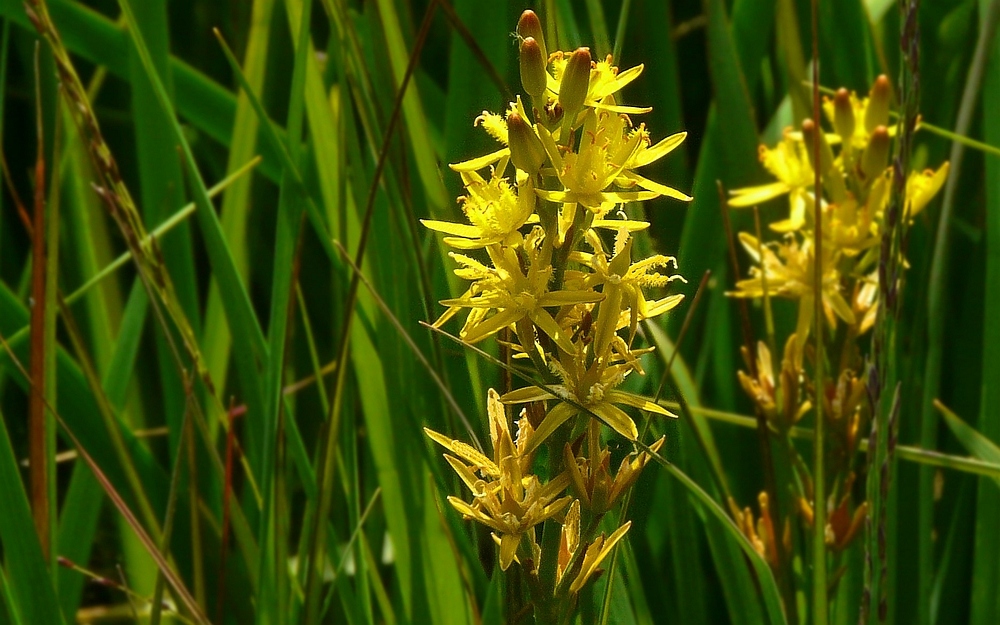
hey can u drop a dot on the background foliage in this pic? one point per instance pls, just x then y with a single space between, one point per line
270 303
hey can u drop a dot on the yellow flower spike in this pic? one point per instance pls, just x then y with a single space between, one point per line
596 552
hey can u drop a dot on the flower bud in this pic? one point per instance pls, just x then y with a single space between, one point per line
534 78
876 157
575 82
843 116
833 182
526 150
877 112
529 26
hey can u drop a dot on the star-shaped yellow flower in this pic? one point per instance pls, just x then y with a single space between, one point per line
507 498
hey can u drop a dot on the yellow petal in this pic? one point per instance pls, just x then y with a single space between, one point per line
619 82
622 397
749 196
558 415
480 162
615 224
656 187
616 419
620 108
658 151
508 549
524 395
465 451
548 325
500 320
448 227
596 552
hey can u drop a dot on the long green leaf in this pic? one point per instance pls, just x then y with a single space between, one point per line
31 590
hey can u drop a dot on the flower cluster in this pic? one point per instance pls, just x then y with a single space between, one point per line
853 163
548 256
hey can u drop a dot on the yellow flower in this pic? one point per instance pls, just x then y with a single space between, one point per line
494 209
788 272
622 284
850 228
608 150
595 553
782 404
789 163
511 293
594 387
506 498
605 80
591 479
921 187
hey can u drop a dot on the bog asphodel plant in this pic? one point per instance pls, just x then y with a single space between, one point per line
853 162
547 253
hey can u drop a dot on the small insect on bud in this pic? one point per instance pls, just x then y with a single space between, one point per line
534 78
575 82
833 182
876 157
529 26
877 113
843 116
526 150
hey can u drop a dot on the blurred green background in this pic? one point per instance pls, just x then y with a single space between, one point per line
350 451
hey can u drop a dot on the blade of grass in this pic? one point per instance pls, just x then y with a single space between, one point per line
236 203
161 189
239 310
31 594
937 300
978 445
985 601
820 600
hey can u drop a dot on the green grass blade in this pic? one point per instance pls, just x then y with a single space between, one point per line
30 586
936 305
985 601
236 204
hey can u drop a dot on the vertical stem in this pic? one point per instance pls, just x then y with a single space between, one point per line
819 590
37 430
